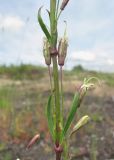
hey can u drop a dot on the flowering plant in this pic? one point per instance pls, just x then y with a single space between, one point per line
55 52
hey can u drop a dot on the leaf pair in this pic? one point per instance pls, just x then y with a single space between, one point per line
75 106
78 97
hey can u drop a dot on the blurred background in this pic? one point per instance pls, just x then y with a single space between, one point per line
24 76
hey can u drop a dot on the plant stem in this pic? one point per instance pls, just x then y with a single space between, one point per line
53 23
51 87
58 156
53 26
57 100
54 36
61 85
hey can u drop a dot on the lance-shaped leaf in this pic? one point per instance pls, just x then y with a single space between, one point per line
50 116
43 26
83 121
75 105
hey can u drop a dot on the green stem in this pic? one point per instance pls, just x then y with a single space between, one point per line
57 99
53 26
52 93
66 150
53 23
61 81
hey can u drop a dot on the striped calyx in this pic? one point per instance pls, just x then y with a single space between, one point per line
62 50
46 51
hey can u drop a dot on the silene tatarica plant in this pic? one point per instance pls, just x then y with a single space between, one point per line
55 51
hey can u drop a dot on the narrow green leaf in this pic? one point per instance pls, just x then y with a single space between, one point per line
43 26
50 116
74 107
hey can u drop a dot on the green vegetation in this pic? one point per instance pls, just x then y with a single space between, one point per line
31 72
105 78
22 72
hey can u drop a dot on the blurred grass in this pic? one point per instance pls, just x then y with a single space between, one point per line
37 72
22 72
81 73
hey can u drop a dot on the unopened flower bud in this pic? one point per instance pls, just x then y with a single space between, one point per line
64 3
46 51
62 50
83 121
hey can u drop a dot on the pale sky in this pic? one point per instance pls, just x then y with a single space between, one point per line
90 27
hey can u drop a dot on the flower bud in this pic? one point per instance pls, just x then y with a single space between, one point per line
84 120
46 51
64 3
62 50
